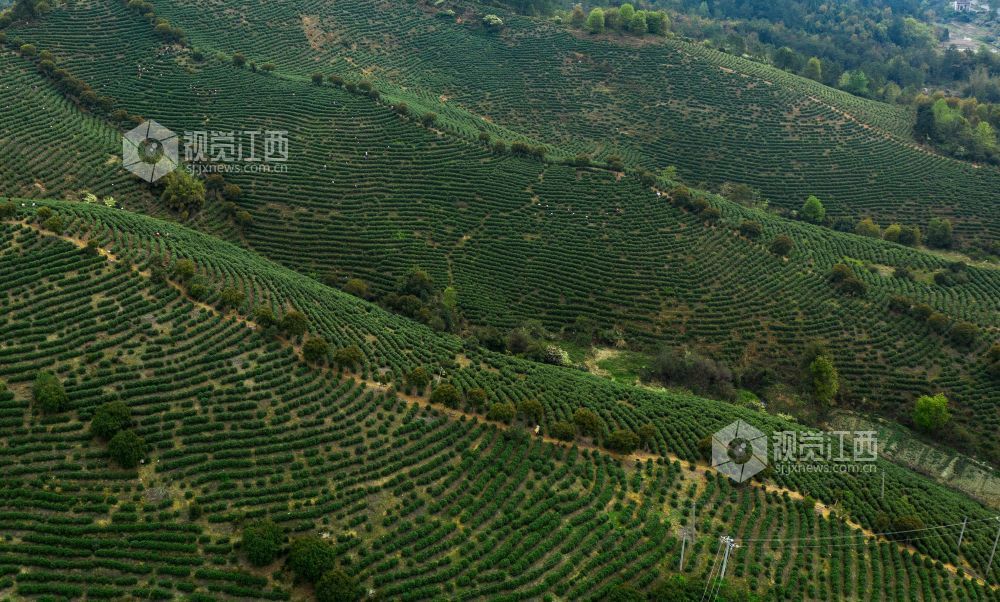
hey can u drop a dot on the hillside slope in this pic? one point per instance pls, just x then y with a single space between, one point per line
369 194
239 426
716 117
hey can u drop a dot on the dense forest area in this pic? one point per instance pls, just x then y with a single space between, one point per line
889 50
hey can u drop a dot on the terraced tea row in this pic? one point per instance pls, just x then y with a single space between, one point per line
240 428
716 117
520 239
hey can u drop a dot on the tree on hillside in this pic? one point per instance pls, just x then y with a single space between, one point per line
316 350
577 16
813 210
231 297
338 586
109 419
939 233
183 192
311 557
184 269
348 357
503 411
623 441
446 394
418 378
930 412
262 540
560 429
530 410
49 394
127 449
868 227
587 422
813 69
294 323
595 21
782 245
825 380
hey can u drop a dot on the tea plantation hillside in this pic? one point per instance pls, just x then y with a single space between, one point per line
416 500
716 117
519 238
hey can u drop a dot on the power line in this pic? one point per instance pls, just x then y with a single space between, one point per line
711 572
886 533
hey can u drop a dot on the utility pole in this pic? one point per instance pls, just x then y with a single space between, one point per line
730 543
962 534
684 540
989 565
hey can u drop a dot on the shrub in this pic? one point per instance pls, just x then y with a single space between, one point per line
310 557
239 60
109 419
8 210
264 316
428 119
317 78
357 287
231 297
49 394
127 449
530 409
262 541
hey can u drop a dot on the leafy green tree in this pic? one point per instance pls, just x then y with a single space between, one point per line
855 81
348 357
476 397
358 288
294 323
110 418
126 448
930 412
48 393
647 433
750 229
503 411
263 316
8 210
316 350
565 431
637 24
184 269
813 69
626 11
183 192
782 245
825 380
623 441
964 334
891 233
813 210
531 410
231 297
577 16
587 422
595 21
317 79
658 23
868 227
239 60
310 557
418 378
54 224
337 586
939 233
446 394
262 540
910 236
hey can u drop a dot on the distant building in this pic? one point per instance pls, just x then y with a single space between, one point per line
962 6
